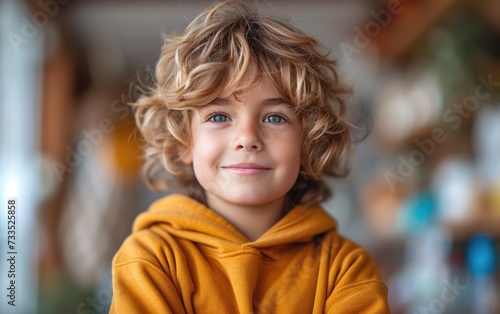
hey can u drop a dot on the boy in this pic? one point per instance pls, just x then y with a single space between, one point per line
248 116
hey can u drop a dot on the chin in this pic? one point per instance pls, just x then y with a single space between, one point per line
251 199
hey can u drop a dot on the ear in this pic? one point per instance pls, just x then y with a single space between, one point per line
186 155
302 161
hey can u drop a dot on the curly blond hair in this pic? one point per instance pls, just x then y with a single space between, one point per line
215 54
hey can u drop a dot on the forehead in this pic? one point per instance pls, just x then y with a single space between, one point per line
253 82
263 93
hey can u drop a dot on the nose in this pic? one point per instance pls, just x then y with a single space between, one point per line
248 137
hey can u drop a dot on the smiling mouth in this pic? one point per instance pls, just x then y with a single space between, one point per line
246 168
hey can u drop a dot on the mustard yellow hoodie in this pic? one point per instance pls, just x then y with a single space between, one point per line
184 258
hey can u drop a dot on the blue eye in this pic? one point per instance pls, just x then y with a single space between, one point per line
218 118
275 119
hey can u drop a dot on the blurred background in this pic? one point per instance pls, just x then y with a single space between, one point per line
423 195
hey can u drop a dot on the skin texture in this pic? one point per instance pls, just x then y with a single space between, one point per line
246 154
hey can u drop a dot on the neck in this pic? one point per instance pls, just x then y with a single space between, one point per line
251 220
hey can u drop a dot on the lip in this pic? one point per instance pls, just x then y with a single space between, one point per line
246 168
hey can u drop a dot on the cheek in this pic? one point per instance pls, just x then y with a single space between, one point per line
207 149
207 155
290 150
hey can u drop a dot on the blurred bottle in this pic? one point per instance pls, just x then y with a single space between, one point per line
482 262
487 147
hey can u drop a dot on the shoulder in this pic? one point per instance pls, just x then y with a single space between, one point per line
150 240
354 282
144 275
350 263
151 247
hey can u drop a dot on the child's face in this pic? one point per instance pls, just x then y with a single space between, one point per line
246 151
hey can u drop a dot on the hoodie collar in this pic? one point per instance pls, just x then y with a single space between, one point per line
186 218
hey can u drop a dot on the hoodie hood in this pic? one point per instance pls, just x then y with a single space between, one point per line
186 218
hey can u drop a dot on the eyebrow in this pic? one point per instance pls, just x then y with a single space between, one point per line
275 101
